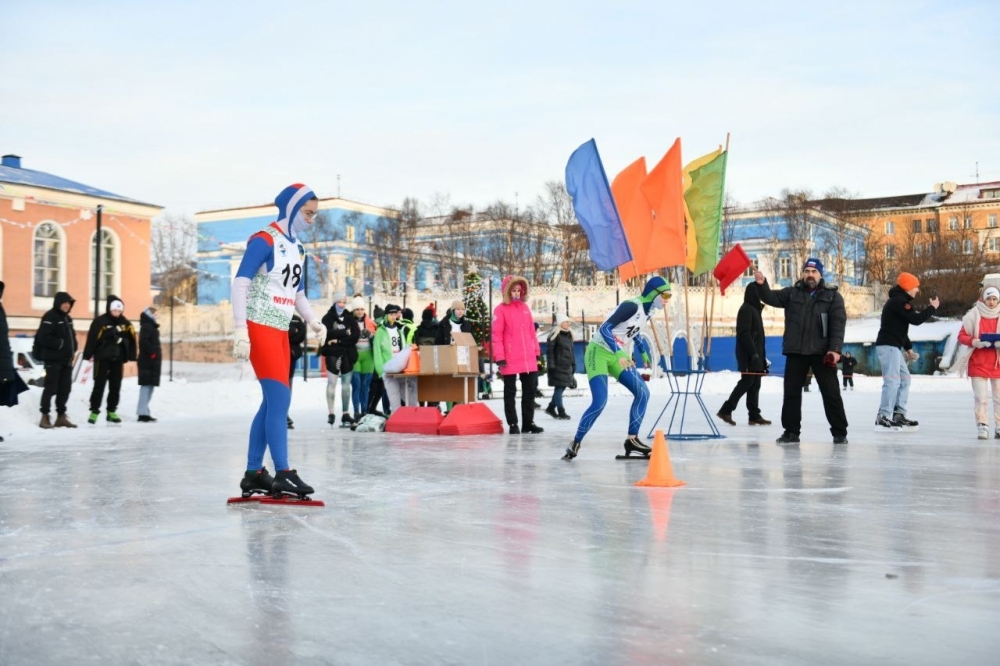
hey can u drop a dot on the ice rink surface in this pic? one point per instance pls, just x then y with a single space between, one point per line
117 546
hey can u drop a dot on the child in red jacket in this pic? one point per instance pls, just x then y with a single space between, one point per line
984 359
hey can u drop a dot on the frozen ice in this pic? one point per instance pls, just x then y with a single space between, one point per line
117 546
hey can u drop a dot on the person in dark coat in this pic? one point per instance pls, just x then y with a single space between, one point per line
296 347
8 373
815 321
454 322
111 344
560 362
894 349
55 346
150 361
341 353
750 359
427 330
849 363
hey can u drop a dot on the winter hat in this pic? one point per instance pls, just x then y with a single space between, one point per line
457 304
907 281
391 308
339 296
991 291
291 199
115 303
813 262
427 316
654 286
407 314
357 303
432 308
562 318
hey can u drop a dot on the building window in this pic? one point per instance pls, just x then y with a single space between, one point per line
993 244
785 267
991 194
47 260
890 228
967 246
369 236
991 220
953 246
931 226
918 249
890 251
968 222
917 226
349 232
108 253
953 223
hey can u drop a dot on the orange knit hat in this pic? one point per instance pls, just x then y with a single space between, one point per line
907 281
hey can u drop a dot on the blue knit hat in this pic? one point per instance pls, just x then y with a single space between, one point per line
813 262
655 285
291 199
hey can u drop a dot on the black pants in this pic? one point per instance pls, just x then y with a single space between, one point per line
110 373
528 382
848 379
375 391
58 382
750 385
796 368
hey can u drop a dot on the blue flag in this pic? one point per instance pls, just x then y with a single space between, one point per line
595 208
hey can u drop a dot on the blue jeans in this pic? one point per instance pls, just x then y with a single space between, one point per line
557 394
895 381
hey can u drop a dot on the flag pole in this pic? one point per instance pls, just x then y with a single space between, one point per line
711 316
687 317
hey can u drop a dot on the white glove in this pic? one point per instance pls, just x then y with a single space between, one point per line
979 344
241 345
912 355
319 329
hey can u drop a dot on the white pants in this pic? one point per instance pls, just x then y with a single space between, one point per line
396 388
345 392
981 388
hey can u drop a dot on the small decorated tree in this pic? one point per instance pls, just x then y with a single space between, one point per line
473 292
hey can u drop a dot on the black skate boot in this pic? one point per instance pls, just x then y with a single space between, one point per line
288 482
345 420
561 414
331 419
573 449
633 445
256 483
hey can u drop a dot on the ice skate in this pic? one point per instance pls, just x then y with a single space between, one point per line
346 421
633 445
883 424
984 431
287 482
331 419
905 424
574 448
256 483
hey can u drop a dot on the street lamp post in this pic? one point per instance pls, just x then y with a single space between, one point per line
97 264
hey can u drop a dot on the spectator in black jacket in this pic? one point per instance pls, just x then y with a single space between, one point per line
750 359
55 346
341 353
8 373
454 322
895 350
849 362
296 348
150 362
111 344
560 364
815 320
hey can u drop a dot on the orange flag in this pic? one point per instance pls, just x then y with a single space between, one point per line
637 216
663 188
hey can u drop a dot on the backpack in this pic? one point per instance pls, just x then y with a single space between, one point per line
370 423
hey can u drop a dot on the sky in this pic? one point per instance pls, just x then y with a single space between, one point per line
204 105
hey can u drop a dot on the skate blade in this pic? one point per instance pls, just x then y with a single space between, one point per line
242 500
637 456
291 499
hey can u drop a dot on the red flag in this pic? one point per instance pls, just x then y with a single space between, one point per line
731 266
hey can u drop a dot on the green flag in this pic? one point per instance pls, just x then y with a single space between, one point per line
705 184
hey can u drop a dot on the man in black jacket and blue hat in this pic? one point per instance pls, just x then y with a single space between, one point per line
815 320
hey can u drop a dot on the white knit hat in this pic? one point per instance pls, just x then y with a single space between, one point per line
357 303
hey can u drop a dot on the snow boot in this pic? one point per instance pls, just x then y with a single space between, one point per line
574 448
288 482
787 439
551 411
760 420
726 416
92 419
515 429
113 418
563 416
63 422
532 429
256 482
45 422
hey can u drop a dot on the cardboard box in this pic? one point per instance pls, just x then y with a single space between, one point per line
459 357
432 388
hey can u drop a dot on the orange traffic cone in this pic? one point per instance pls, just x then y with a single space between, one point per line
413 363
660 472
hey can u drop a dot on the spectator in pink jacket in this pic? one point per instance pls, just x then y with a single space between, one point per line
516 352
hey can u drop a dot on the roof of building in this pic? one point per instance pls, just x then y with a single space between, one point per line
959 194
12 172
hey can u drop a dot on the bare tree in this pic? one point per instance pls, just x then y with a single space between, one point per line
173 245
394 241
318 239
555 207
727 232
835 239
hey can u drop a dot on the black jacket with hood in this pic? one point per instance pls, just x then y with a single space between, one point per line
150 351
897 315
750 332
341 347
110 339
55 340
815 320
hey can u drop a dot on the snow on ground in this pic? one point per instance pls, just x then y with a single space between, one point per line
217 391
